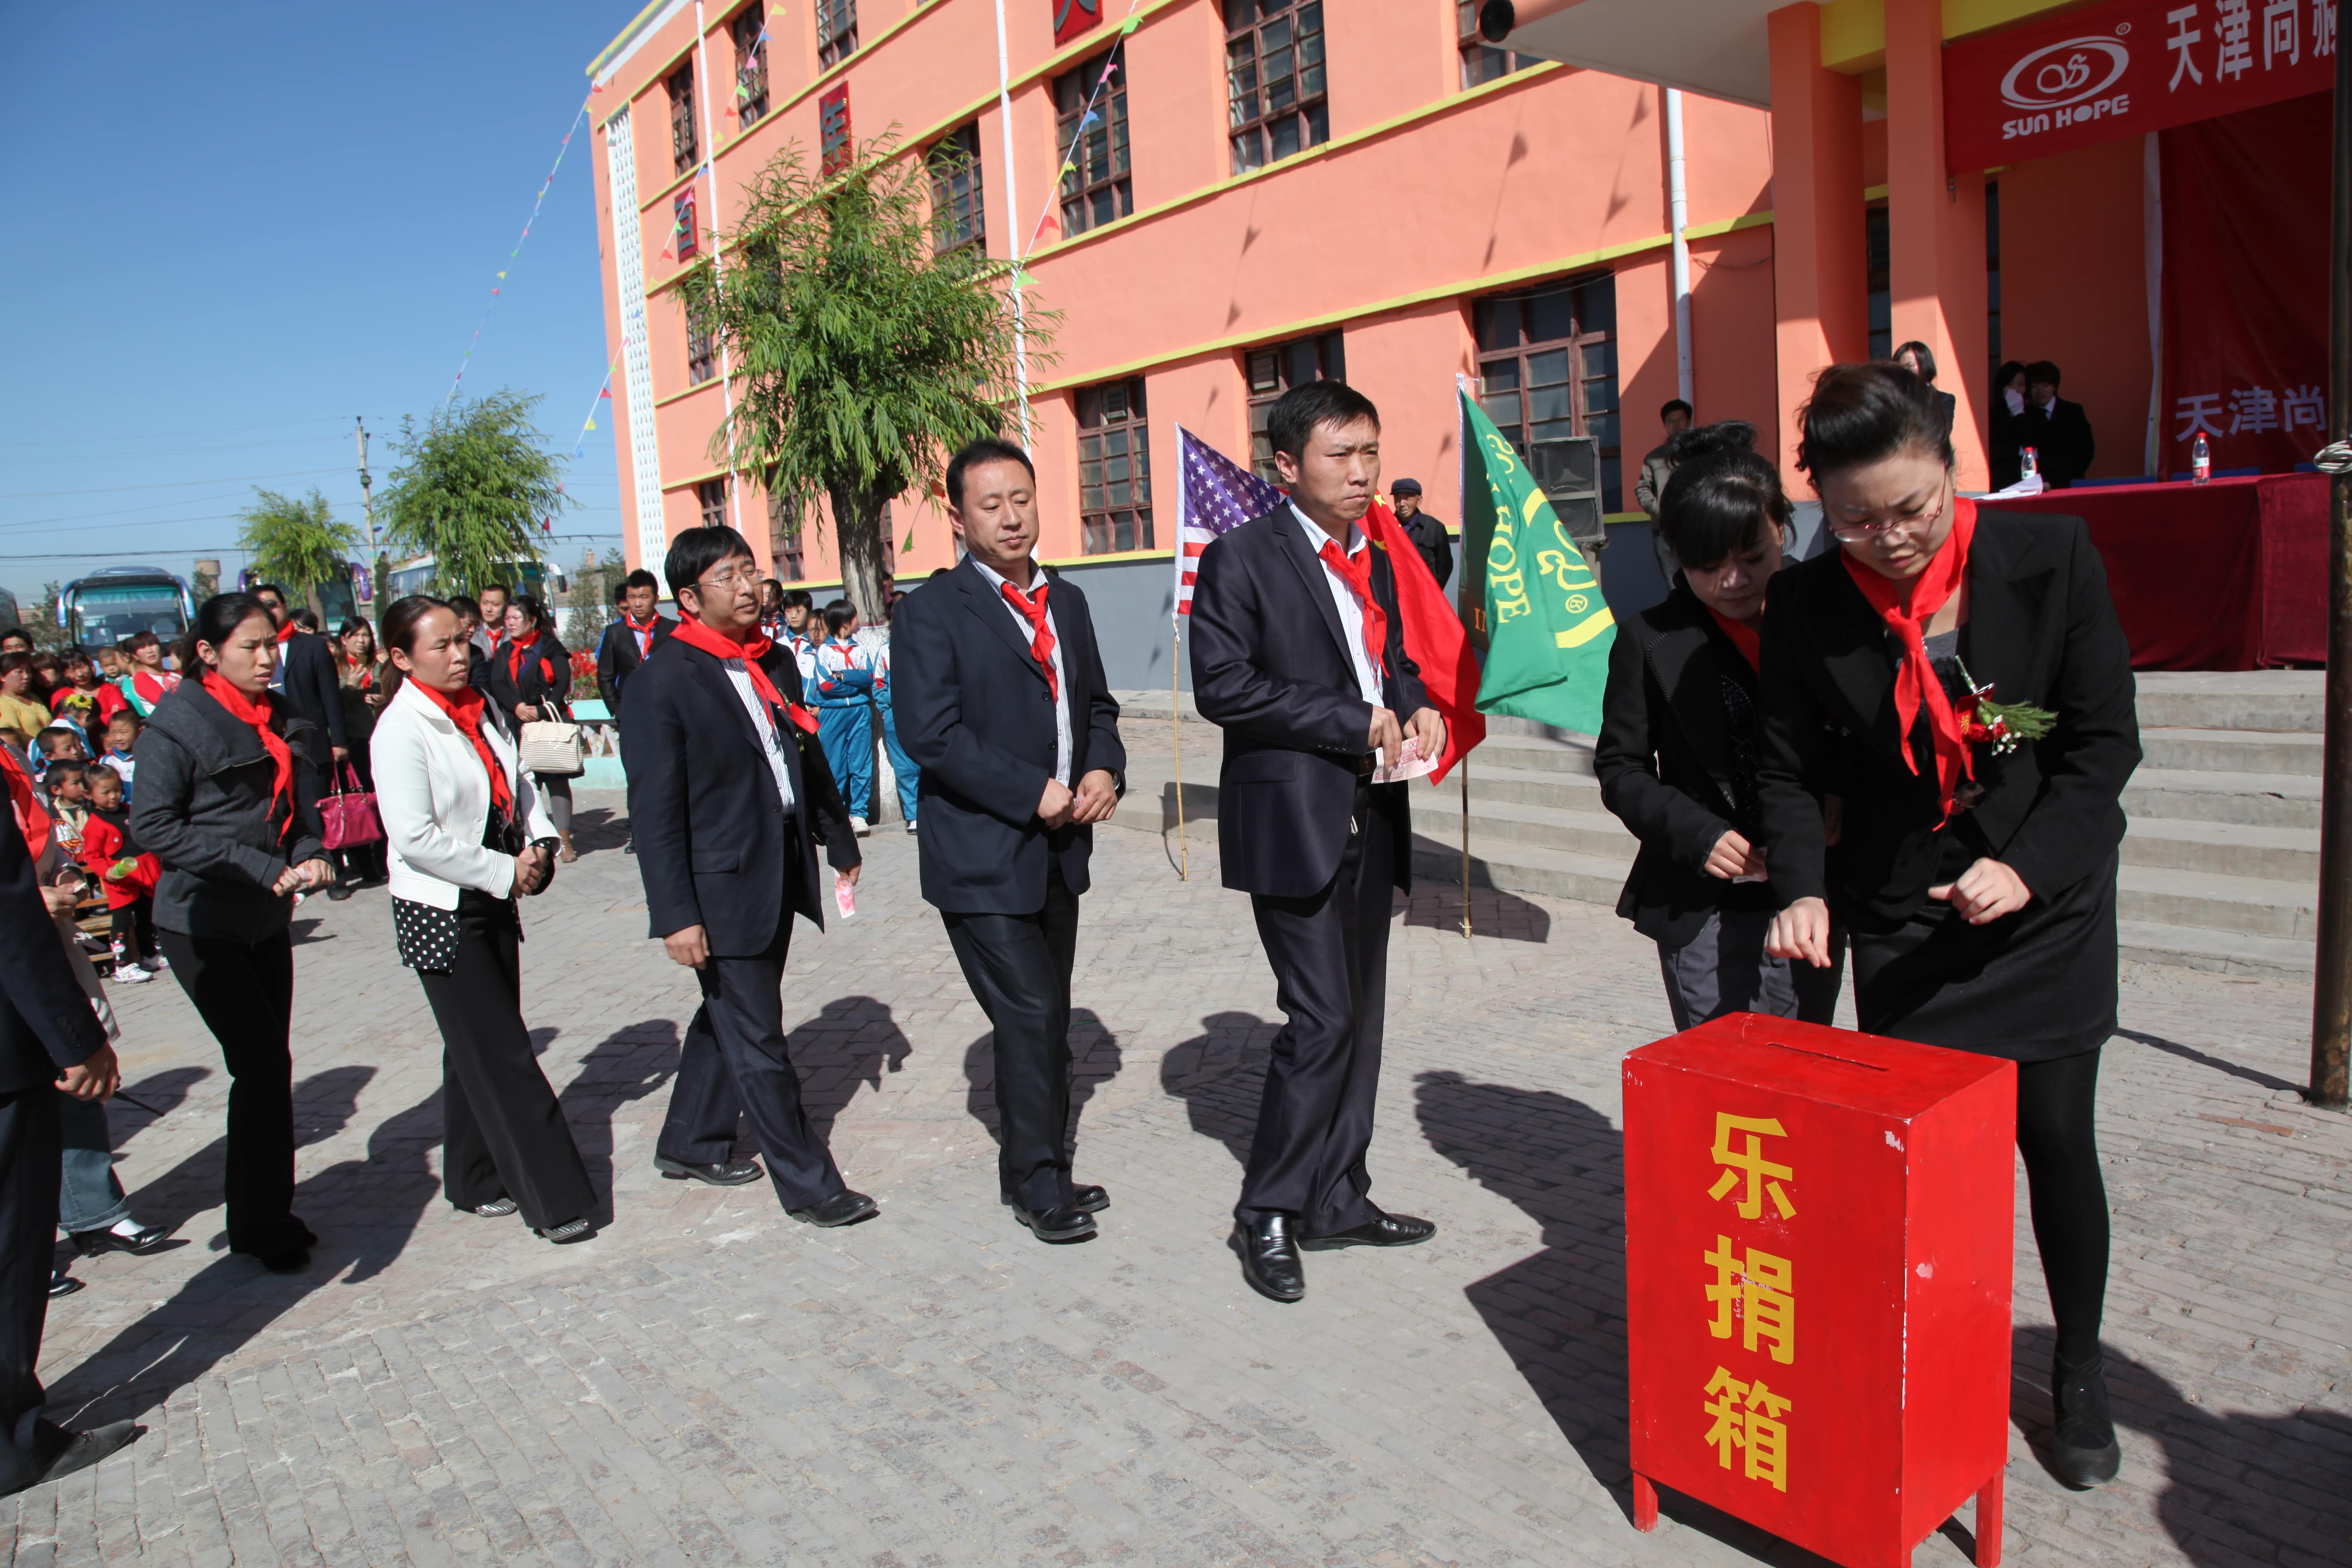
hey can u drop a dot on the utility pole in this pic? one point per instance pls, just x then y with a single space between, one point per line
2331 1021
367 503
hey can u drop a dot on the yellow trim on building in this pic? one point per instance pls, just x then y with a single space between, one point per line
1853 32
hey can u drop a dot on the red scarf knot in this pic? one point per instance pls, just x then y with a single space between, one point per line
256 715
1041 635
465 710
695 635
1744 635
1358 579
1916 684
644 633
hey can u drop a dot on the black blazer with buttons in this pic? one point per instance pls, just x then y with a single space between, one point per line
45 1021
975 715
1270 664
703 806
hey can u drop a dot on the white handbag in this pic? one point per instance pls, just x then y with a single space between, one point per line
552 749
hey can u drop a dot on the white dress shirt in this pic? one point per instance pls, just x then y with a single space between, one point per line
763 722
1351 612
997 583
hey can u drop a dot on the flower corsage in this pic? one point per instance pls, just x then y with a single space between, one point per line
2000 725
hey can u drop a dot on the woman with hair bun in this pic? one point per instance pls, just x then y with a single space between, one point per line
1962 676
1681 733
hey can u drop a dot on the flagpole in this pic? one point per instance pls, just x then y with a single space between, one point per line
1176 728
1465 845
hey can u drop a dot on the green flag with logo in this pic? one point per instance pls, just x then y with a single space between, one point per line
1528 596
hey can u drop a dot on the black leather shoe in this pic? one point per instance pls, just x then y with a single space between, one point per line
86 1449
1380 1230
1056 1225
723 1173
146 1238
1088 1199
1270 1259
62 1284
2085 1452
844 1207
339 892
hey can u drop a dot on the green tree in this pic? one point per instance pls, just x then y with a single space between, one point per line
473 491
297 544
40 620
590 600
863 355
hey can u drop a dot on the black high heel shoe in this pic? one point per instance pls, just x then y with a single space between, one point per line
2085 1452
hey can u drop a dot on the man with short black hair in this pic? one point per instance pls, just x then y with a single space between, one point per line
725 860
495 600
1656 467
1298 654
2059 431
1001 701
1430 539
631 640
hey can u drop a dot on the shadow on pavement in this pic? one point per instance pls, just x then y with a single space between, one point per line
852 1042
165 1091
626 1066
1219 1073
597 827
1095 1060
1493 912
2218 1064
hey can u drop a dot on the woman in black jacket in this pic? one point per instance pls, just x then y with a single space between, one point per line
217 804
1977 870
530 680
1679 738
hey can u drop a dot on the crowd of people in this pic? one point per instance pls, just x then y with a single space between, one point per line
1790 743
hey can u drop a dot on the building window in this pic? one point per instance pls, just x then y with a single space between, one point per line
1878 264
1275 370
683 147
955 190
701 347
1098 188
833 130
1547 368
750 31
682 226
713 496
784 538
1114 468
1482 61
1275 80
836 31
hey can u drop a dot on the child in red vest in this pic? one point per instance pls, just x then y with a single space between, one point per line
129 875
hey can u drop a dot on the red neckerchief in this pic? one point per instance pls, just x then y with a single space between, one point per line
644 634
1040 636
694 633
151 684
286 631
465 710
256 714
31 820
514 662
1749 639
1358 579
1915 683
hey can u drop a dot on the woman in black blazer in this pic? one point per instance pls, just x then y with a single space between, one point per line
530 680
1680 736
1978 874
1920 361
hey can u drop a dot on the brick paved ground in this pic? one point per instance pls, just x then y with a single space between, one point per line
708 1382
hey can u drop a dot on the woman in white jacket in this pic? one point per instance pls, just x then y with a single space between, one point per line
466 831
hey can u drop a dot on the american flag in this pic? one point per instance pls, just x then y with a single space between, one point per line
1217 498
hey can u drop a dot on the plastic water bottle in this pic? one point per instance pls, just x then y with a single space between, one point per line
2200 462
2029 463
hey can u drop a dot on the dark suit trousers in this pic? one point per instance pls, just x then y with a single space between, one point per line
29 1153
503 1130
737 1062
1018 967
245 994
1331 958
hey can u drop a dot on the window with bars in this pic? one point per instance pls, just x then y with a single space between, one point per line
1547 368
956 218
833 130
683 239
784 538
701 347
683 147
1098 188
836 31
750 28
1275 370
1275 81
1114 468
1482 61
711 495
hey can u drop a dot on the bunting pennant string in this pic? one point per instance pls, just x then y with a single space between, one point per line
537 202
1090 117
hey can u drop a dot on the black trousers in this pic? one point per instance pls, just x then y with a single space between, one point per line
133 926
503 1130
1018 967
1330 959
28 1229
245 994
736 1063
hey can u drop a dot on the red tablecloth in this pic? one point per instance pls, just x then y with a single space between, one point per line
2227 576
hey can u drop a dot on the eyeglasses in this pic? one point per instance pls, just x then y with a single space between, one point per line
748 573
1917 522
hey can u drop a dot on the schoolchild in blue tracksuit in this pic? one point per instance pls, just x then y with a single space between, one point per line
902 766
844 710
804 629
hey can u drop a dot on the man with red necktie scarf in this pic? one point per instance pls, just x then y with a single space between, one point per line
631 640
1298 653
1001 702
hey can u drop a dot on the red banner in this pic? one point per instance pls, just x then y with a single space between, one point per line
2245 287
2127 68
1072 17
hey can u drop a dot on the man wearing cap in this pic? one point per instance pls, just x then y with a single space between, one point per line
1428 534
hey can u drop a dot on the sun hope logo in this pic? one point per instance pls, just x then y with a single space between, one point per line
2062 83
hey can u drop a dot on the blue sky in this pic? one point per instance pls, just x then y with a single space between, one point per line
238 226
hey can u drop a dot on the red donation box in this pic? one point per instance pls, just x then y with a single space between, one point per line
1818 1233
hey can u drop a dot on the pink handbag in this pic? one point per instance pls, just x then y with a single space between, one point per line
348 815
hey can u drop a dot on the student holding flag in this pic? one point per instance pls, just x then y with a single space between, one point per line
1298 653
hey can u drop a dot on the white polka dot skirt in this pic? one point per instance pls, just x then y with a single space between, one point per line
427 936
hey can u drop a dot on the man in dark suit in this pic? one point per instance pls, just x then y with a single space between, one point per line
728 806
1001 702
1298 653
49 1039
2059 431
306 674
631 640
1429 537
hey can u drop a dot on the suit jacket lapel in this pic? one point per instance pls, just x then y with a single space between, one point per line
2004 610
723 685
982 599
1856 652
1683 658
1302 555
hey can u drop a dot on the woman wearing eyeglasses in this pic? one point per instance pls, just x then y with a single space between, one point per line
1984 688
